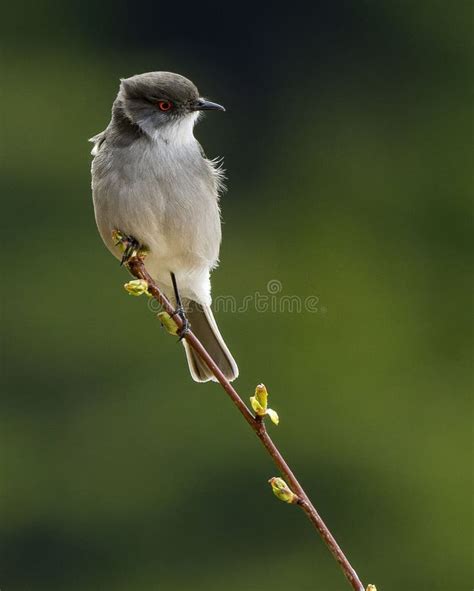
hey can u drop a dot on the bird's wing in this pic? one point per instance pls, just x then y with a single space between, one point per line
97 140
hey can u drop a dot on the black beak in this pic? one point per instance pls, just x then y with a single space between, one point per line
203 105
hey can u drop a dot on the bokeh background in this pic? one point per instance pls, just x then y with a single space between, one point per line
346 140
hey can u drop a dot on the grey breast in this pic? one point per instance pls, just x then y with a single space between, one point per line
158 192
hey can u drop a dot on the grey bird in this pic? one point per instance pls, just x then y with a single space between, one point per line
152 182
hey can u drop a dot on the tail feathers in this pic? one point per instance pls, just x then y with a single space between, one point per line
205 328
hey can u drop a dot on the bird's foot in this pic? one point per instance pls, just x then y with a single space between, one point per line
185 329
129 246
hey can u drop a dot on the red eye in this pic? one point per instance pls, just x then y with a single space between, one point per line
165 105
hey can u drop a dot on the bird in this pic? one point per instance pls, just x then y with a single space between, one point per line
153 186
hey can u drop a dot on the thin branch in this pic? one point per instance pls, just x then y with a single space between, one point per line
137 268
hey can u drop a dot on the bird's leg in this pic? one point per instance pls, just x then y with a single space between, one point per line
183 331
129 246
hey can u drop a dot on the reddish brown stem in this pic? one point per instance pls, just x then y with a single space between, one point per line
137 268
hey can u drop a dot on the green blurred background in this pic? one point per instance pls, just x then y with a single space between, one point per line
347 142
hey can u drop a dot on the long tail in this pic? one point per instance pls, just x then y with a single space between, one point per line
205 328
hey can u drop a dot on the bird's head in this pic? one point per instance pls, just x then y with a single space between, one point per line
163 103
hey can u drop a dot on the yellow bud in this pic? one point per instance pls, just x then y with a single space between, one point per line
257 407
168 323
118 237
137 287
259 400
273 415
371 588
259 404
282 491
261 395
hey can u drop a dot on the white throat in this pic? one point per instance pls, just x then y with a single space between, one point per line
178 133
